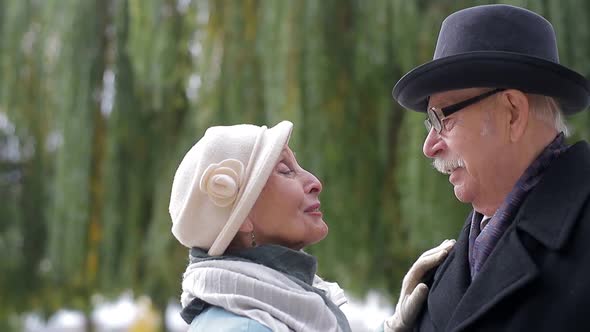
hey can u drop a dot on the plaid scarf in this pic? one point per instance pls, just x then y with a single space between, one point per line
482 242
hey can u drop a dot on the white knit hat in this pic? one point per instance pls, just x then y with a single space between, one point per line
220 179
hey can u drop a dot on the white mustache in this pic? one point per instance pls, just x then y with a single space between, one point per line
447 166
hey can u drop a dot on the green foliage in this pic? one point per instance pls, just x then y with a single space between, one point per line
106 96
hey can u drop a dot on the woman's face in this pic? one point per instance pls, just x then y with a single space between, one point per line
287 211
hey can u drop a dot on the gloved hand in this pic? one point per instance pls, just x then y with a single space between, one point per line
414 292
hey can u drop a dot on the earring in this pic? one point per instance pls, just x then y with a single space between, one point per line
253 239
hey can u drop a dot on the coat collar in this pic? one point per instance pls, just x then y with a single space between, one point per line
548 215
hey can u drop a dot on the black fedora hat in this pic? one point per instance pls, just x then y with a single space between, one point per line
495 46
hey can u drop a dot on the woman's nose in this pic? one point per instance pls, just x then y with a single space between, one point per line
313 184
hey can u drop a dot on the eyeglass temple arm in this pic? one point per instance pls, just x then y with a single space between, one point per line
446 111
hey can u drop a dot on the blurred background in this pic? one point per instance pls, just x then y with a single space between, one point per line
100 99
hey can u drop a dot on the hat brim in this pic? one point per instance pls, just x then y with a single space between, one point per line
272 144
493 69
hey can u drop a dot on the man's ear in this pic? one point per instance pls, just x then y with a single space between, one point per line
517 104
247 225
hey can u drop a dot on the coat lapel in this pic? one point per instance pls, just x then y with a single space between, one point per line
506 271
454 302
450 282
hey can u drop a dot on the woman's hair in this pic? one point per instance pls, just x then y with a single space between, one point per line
547 109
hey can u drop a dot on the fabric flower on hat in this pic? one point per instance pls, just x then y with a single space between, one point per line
222 181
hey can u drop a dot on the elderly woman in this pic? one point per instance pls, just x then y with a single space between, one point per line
245 208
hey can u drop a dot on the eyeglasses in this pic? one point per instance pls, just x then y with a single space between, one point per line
437 115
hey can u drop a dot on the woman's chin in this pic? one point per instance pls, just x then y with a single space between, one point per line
316 236
322 232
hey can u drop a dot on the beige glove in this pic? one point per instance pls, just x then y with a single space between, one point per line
414 292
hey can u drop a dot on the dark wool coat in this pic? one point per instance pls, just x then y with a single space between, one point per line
537 278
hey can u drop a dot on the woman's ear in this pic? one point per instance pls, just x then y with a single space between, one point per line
517 104
247 225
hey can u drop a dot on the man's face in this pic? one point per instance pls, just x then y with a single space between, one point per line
470 148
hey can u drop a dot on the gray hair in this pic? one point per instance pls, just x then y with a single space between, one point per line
547 109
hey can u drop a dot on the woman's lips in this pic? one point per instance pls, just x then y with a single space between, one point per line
314 210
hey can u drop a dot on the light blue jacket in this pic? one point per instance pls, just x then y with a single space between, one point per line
215 319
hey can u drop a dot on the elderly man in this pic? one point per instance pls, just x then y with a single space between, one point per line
494 96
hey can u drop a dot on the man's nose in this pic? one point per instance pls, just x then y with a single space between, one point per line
433 144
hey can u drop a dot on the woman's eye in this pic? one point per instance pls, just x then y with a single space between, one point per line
284 169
